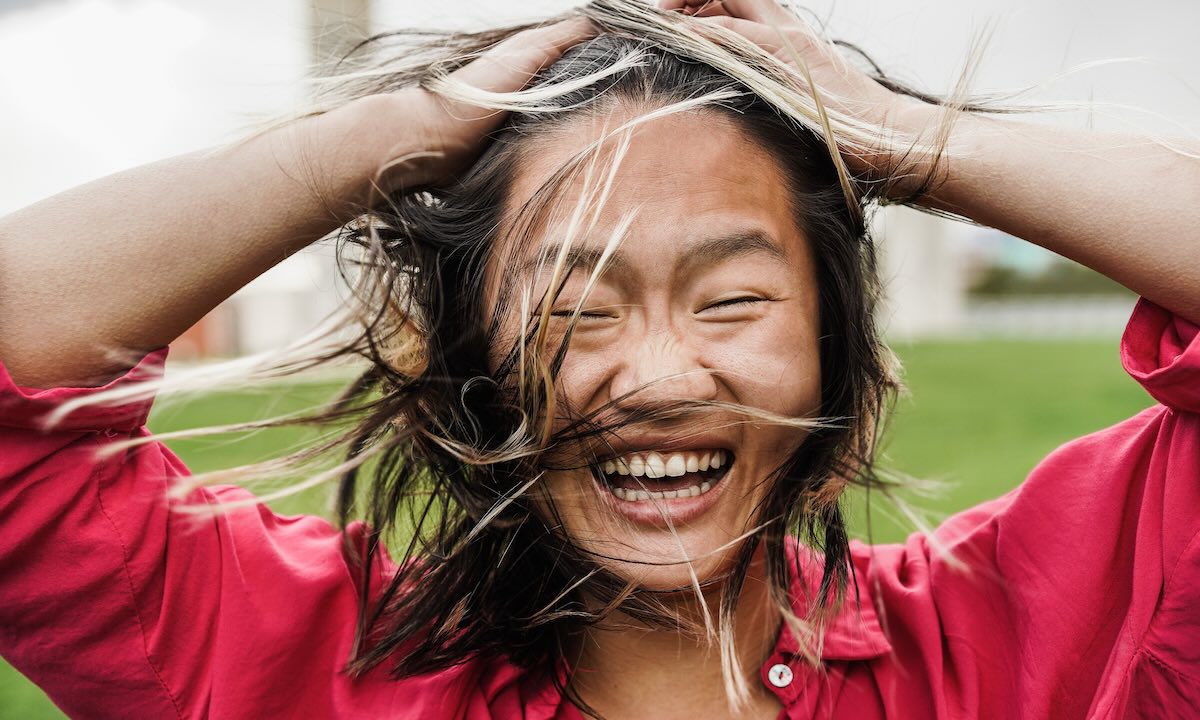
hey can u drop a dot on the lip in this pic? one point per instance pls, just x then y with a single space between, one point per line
662 444
667 512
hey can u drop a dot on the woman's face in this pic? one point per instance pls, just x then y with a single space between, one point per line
711 295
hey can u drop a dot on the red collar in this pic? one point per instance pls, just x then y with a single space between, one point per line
854 633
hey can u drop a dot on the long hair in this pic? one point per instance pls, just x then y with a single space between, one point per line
441 449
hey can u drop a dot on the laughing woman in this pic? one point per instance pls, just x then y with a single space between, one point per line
615 290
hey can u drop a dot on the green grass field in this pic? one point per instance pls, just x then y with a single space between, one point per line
980 416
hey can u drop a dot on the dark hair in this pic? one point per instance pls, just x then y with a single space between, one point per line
505 590
481 572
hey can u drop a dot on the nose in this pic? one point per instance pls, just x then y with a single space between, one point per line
661 366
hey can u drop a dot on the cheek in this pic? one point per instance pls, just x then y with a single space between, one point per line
582 376
773 364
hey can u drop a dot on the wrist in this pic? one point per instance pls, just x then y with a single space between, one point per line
354 152
909 157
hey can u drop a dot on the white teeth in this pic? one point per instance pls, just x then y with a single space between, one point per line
633 495
655 467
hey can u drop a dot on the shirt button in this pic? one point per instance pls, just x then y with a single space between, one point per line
780 675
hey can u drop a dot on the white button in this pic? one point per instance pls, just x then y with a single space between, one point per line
780 675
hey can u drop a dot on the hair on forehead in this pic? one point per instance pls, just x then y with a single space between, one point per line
695 253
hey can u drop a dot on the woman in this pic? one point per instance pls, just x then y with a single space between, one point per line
622 357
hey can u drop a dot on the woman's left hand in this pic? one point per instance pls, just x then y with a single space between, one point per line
842 87
1123 205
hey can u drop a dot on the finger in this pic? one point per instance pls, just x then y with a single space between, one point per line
697 8
509 66
688 5
763 11
761 35
712 8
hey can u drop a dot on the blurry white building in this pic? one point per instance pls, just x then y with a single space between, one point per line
922 270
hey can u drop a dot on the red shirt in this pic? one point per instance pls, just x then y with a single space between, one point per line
1083 598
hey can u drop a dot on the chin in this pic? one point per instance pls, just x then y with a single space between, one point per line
663 520
660 568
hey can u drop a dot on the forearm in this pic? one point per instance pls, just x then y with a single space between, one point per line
1121 205
132 260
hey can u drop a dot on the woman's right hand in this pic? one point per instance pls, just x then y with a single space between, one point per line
448 135
135 258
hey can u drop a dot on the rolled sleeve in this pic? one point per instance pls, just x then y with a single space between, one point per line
1160 350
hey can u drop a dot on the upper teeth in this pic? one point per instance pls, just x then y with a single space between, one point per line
656 465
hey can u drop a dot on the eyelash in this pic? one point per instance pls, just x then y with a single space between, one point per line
582 314
734 302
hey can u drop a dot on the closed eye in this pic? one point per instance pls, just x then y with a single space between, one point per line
734 302
582 314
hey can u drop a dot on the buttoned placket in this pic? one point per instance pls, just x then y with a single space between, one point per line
853 635
798 685
779 675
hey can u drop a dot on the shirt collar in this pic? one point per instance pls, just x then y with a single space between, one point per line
854 633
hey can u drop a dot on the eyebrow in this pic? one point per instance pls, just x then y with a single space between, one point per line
709 251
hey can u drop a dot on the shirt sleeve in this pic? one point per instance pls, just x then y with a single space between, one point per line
119 607
1075 594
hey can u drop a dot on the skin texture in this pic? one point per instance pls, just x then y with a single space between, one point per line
654 332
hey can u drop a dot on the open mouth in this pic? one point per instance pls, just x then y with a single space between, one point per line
647 476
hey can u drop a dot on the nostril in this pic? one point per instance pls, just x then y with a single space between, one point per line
663 394
661 367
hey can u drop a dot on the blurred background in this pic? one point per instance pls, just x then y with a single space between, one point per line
1009 350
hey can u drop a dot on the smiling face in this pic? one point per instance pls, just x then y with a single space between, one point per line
710 296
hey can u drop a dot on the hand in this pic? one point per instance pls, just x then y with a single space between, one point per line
448 135
843 88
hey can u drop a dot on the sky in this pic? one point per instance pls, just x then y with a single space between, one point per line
89 87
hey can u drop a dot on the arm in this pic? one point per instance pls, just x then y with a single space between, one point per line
1123 206
114 603
118 606
132 260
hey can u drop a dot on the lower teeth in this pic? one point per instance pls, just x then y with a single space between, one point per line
632 495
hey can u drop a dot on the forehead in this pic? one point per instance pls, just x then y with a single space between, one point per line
685 177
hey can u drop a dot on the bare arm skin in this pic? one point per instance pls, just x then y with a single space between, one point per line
1121 205
134 259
